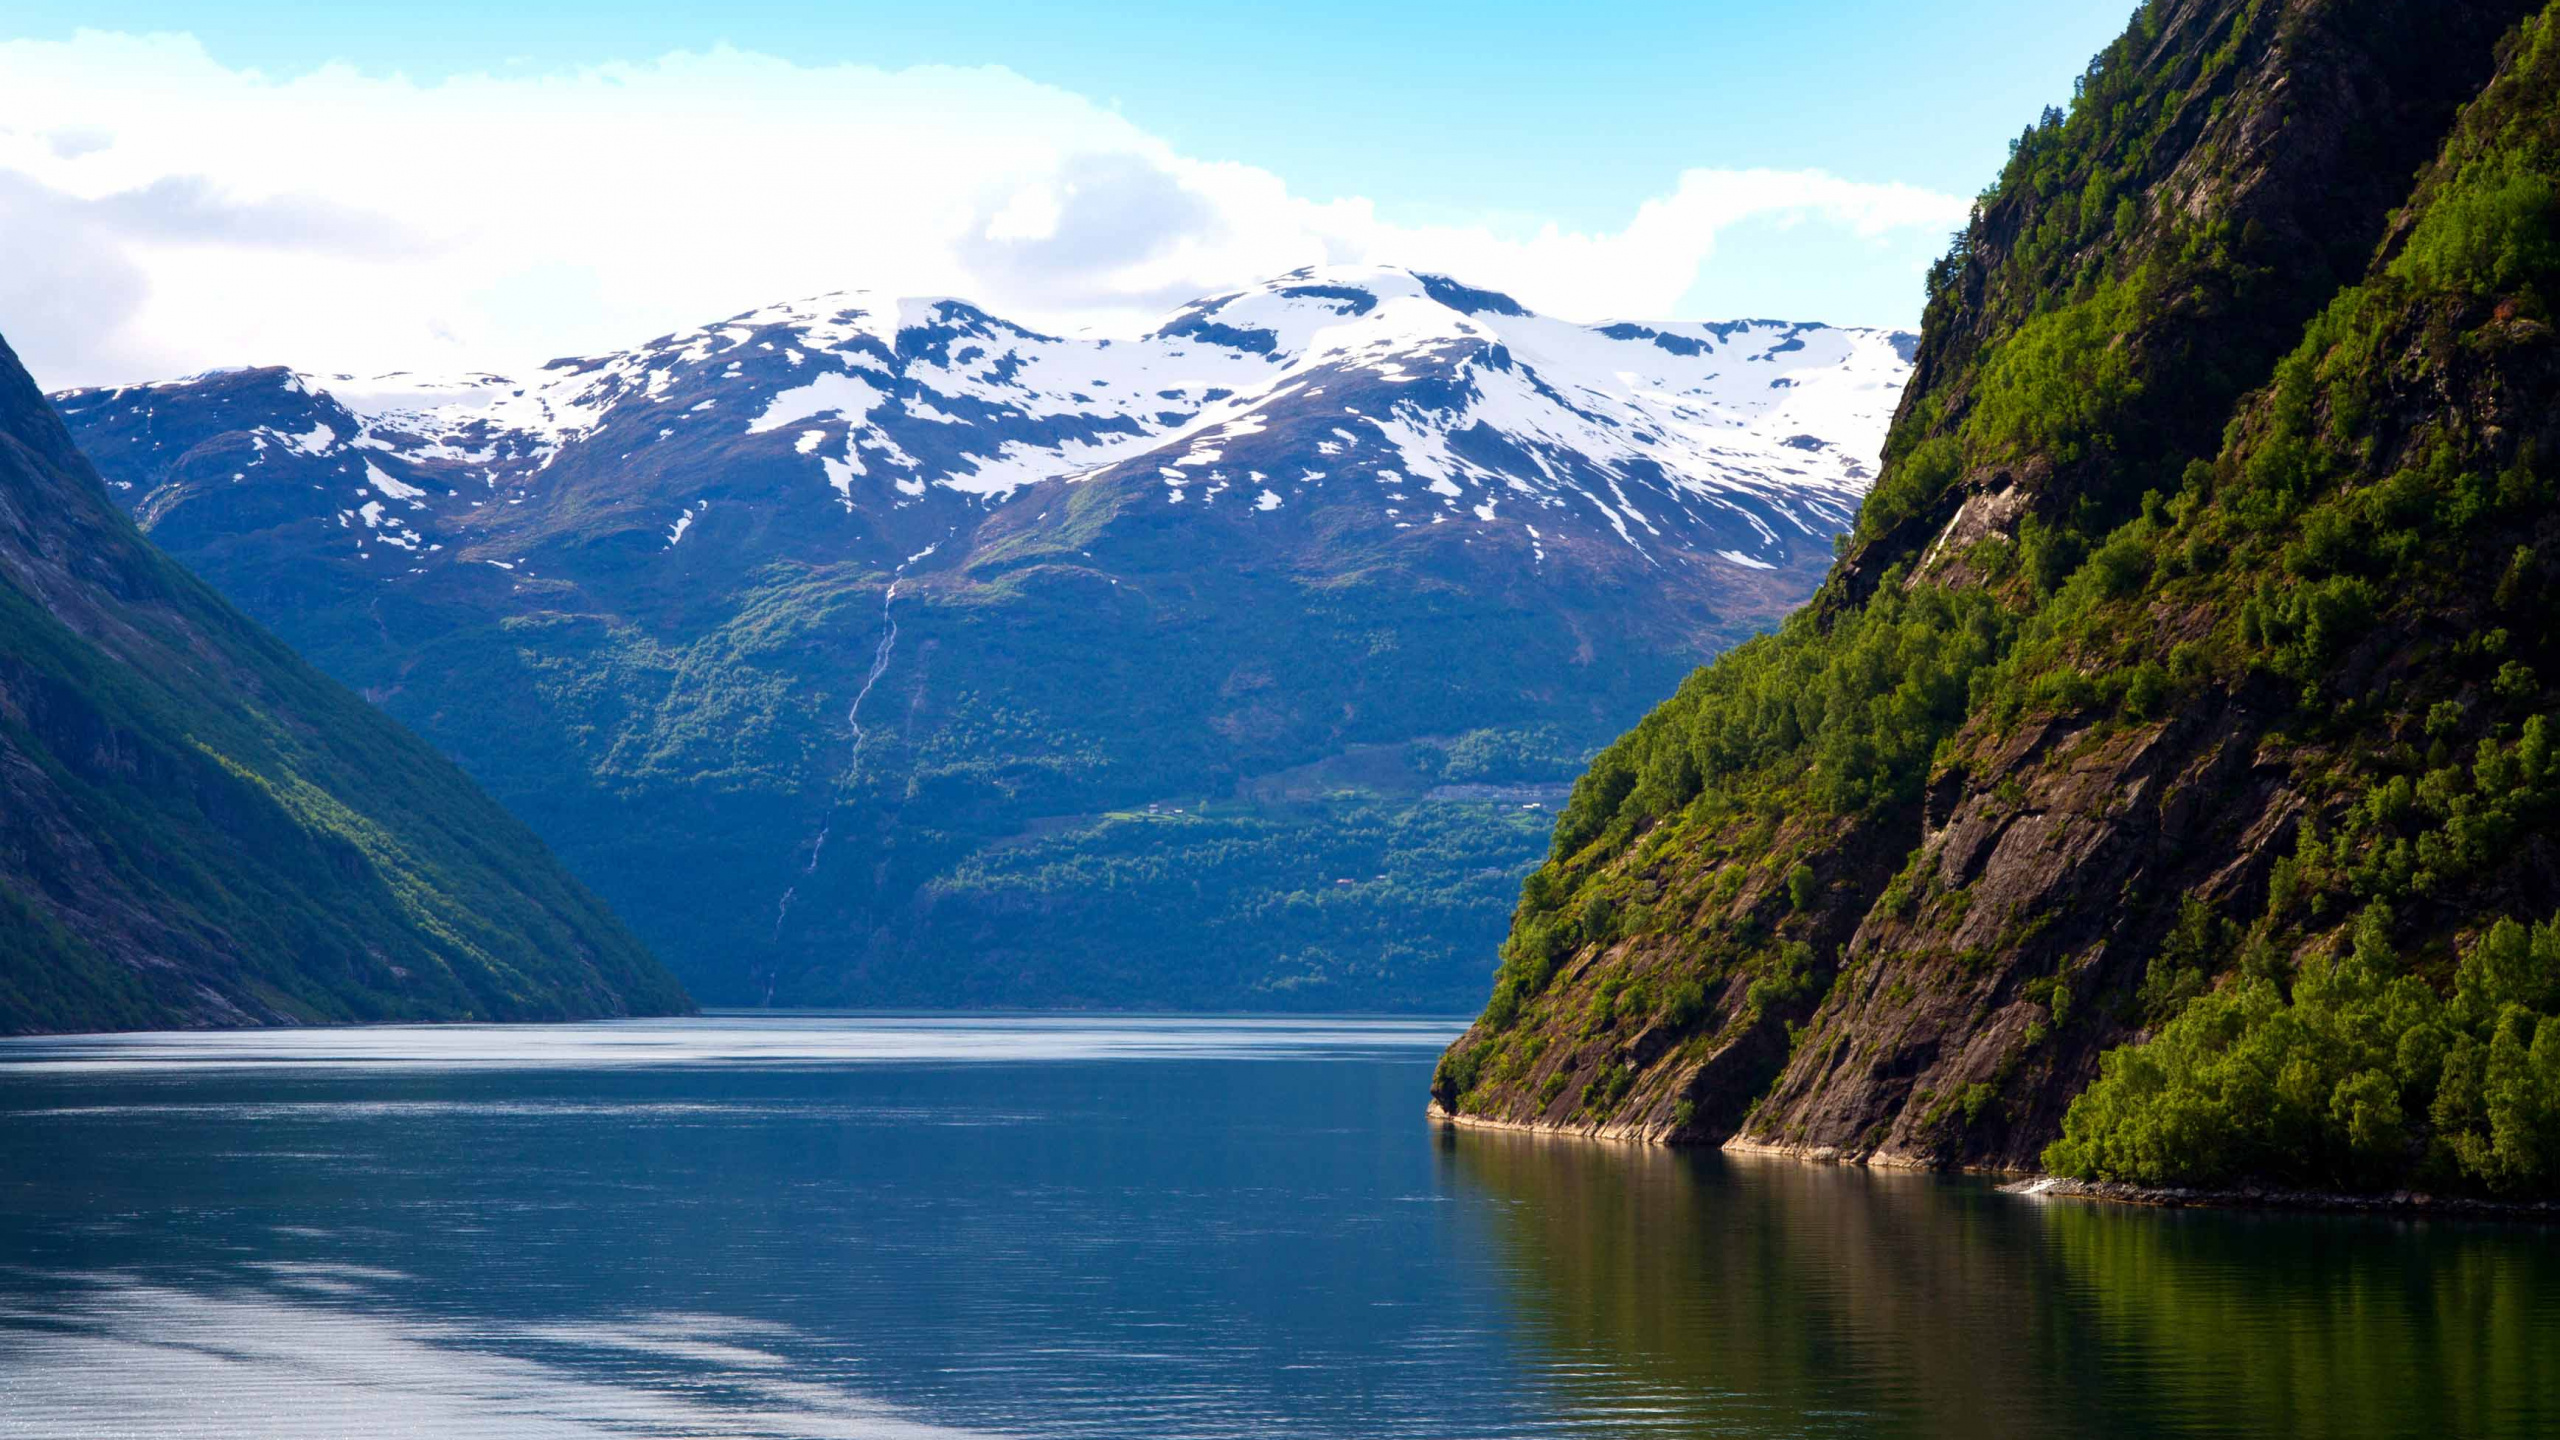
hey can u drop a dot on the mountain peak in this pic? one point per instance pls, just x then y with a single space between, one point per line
1385 398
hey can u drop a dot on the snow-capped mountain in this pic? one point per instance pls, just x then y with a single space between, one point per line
1409 397
879 651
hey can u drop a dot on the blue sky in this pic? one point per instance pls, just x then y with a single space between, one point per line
1498 120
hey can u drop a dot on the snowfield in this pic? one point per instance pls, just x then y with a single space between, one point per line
1408 396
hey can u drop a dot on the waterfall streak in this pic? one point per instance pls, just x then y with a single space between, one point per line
853 723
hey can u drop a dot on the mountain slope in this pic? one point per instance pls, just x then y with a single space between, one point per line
2176 718
197 828
885 652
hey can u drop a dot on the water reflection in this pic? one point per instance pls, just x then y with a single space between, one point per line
2318 1326
1771 1297
315 1357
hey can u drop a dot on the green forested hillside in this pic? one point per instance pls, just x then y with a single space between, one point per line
196 828
2374 532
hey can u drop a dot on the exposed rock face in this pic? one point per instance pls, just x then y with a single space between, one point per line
1930 977
198 829
1936 1001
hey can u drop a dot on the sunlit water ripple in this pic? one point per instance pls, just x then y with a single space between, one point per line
857 1226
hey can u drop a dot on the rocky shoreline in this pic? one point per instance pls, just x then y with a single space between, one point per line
2268 1197
1617 1132
2056 1187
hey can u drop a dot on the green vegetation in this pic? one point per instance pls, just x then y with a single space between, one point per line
1357 903
2360 1076
2354 1070
2053 388
1501 757
1850 713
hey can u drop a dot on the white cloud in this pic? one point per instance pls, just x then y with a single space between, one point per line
160 212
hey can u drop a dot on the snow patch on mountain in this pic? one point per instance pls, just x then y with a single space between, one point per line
1748 441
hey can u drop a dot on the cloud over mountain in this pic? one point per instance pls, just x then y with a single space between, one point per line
214 215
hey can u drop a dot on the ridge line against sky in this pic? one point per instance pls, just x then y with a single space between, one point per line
168 208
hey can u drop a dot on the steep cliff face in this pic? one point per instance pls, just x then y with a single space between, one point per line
198 829
2198 619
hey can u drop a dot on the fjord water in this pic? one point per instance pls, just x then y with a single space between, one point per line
854 1226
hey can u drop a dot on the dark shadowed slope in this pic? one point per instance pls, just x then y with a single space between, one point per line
196 828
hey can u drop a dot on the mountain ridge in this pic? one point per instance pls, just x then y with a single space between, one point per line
1299 526
876 382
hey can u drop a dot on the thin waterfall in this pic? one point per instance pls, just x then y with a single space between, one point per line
853 723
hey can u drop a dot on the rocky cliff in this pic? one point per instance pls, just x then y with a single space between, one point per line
2162 769
196 828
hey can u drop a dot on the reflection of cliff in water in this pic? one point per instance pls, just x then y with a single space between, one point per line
1773 1297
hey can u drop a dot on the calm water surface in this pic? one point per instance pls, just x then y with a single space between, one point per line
863 1226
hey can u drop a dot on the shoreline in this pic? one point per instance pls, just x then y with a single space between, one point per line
2029 1185
2277 1197
1437 1114
1732 1146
